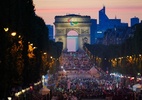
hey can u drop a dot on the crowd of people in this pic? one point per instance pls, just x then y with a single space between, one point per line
78 64
74 81
75 60
91 88
78 88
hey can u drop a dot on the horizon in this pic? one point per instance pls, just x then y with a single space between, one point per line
124 10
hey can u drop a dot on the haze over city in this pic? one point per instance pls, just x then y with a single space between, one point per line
122 9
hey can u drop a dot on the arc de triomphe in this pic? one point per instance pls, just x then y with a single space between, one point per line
72 22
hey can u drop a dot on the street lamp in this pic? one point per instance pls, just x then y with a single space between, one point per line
9 98
6 29
51 57
13 34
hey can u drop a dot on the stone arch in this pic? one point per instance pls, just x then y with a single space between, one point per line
72 22
60 39
73 29
85 40
72 33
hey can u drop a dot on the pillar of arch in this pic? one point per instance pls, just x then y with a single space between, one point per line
72 22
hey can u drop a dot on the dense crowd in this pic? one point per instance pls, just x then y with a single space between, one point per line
78 88
91 88
74 81
75 60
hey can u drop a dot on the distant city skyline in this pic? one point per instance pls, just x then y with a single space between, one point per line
124 10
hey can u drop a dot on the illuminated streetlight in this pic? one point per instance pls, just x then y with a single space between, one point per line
6 29
23 91
51 57
13 34
9 98
34 47
19 36
31 44
44 53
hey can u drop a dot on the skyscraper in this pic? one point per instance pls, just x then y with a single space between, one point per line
50 30
134 20
93 30
105 23
102 16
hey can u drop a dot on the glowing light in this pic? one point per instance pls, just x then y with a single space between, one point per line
132 78
31 44
99 32
37 83
27 89
43 76
18 93
31 87
34 47
9 98
138 73
139 79
13 34
62 67
6 29
23 91
44 53
19 36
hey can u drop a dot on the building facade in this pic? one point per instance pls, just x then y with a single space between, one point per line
50 32
78 24
134 20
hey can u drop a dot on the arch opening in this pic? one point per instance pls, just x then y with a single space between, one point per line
72 41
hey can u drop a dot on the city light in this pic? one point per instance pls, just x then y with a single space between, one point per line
9 98
31 44
51 57
62 67
25 90
6 29
44 53
34 47
19 36
13 34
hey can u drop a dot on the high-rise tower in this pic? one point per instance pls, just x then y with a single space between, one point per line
102 16
134 20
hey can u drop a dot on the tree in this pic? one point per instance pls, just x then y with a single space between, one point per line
16 67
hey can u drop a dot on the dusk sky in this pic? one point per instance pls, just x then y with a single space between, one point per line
122 9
